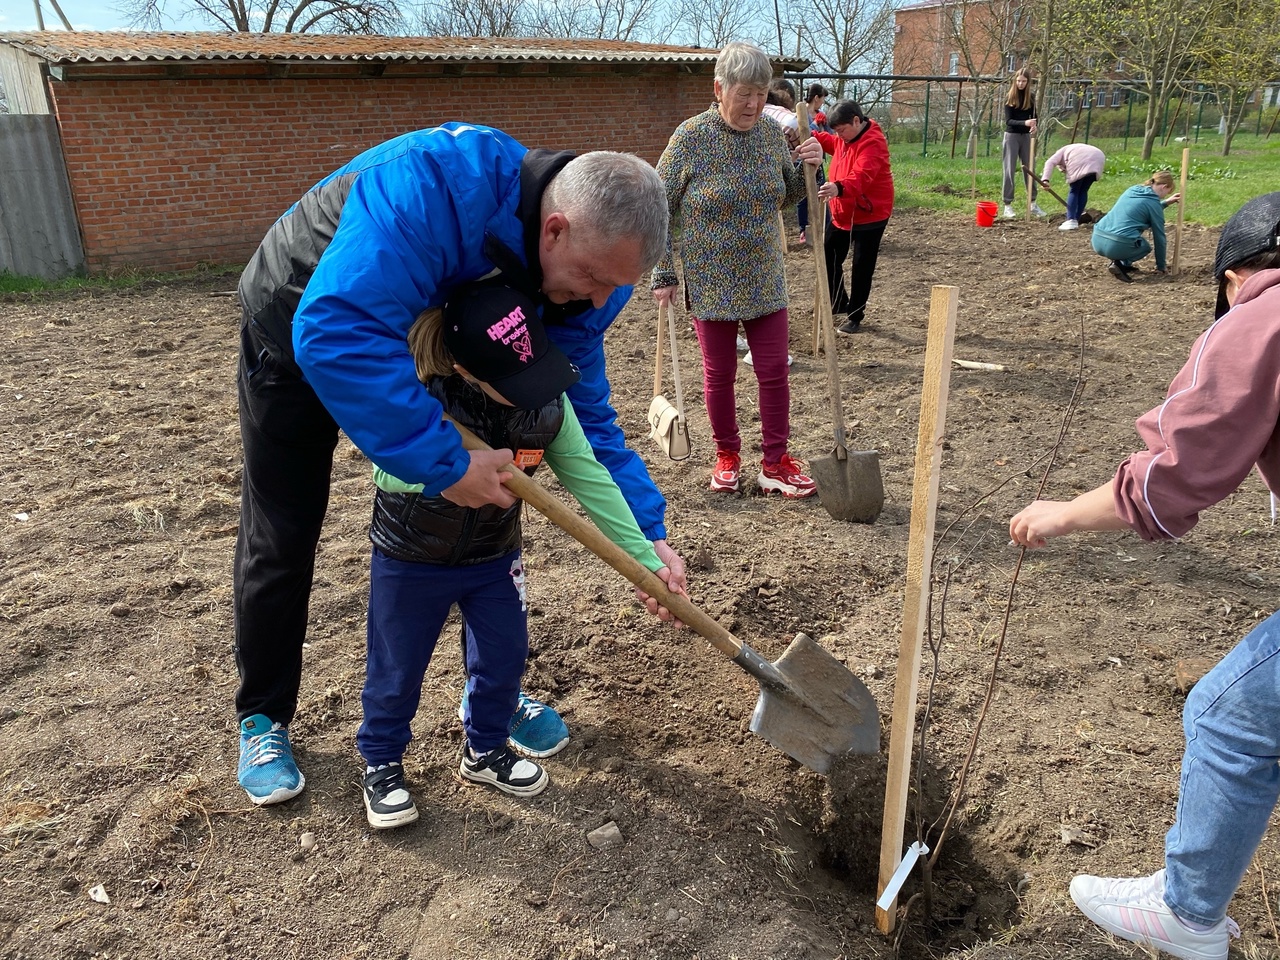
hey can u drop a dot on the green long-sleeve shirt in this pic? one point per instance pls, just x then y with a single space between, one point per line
570 458
725 188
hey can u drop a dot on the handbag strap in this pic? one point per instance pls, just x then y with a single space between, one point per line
657 366
675 362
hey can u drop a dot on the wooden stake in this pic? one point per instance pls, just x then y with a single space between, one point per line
924 503
1182 209
817 231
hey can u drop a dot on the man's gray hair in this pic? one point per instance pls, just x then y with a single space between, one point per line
613 196
740 63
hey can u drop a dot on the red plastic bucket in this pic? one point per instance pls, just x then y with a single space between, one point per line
986 213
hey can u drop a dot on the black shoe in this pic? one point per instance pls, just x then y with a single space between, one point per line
501 768
850 326
1117 270
386 800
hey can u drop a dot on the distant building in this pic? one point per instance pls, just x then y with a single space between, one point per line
170 150
954 38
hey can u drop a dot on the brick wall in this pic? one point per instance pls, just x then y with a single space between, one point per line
169 174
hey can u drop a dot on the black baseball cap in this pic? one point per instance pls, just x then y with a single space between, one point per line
1253 229
494 332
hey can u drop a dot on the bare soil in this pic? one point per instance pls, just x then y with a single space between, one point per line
119 495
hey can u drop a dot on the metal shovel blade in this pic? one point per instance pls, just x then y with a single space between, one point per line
850 488
815 710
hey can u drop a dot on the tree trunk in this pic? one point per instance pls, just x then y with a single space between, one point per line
1234 115
1152 129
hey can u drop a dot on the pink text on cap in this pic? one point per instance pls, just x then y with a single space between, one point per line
513 318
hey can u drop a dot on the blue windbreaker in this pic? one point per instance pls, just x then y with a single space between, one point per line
411 228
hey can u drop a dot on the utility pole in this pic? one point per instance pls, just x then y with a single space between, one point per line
56 9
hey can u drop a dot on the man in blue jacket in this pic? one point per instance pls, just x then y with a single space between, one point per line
328 300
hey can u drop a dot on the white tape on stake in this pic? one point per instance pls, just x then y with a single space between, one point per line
914 853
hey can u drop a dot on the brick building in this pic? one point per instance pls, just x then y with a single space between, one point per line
182 148
955 38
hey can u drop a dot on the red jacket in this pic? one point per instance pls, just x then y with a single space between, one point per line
861 168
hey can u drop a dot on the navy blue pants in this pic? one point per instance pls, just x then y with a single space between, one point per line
1078 195
408 605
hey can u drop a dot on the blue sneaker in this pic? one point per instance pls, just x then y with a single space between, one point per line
537 731
266 770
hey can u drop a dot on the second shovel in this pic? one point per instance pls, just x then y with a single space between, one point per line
849 482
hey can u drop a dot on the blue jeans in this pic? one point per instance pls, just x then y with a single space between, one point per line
1078 195
1230 778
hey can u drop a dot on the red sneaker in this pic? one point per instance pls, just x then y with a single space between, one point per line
725 475
785 477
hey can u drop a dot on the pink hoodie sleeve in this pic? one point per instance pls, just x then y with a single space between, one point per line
1219 418
1054 161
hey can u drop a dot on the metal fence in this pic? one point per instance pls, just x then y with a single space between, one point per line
959 112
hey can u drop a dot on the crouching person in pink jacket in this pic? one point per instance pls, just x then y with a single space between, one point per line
1221 418
1082 165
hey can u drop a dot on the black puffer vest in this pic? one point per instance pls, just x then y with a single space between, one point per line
418 528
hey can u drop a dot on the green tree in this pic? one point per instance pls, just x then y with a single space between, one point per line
1156 38
1237 55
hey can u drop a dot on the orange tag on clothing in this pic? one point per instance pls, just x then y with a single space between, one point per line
524 459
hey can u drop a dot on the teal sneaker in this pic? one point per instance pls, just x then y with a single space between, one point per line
537 731
266 769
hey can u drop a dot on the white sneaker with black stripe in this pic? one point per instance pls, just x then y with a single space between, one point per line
501 768
387 802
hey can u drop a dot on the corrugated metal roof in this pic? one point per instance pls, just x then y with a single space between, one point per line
65 47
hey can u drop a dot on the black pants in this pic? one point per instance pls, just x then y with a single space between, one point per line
865 240
289 439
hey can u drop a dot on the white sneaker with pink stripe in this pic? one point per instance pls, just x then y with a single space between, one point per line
1135 910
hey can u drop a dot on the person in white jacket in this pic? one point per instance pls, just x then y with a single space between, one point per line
1082 165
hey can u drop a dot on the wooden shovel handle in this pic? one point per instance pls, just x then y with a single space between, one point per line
589 535
818 225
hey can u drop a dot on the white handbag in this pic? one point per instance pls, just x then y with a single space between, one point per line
667 423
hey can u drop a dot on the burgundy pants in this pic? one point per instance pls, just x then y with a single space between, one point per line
767 338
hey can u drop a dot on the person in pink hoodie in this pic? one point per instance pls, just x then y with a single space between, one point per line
1082 165
1221 418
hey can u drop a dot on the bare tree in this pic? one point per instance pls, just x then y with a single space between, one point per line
267 16
989 37
713 23
848 36
475 18
627 20
1237 57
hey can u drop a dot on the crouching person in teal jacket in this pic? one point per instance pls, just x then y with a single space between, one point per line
1118 235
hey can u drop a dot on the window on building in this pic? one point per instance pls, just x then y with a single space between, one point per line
1117 96
1011 63
957 19
1120 66
953 66
1070 99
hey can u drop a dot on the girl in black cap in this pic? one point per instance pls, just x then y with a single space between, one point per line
1221 419
488 361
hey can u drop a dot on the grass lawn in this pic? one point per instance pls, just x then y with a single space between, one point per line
1216 185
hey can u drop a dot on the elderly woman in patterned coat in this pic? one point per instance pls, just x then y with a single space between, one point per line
728 172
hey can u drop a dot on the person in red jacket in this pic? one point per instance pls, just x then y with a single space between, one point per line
860 190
